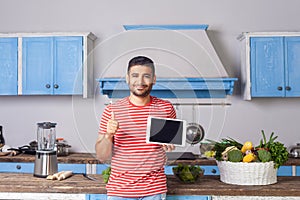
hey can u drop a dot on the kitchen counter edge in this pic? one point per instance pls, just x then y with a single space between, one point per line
90 158
208 185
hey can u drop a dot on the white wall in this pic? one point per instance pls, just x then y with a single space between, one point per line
78 118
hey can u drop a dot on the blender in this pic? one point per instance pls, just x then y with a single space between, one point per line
46 154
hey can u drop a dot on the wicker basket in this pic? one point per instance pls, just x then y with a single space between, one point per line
254 173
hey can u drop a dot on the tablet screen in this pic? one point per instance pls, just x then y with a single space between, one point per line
166 131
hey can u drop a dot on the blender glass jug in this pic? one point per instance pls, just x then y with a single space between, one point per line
46 136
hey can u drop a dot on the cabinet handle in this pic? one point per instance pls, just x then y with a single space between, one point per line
279 88
288 88
18 167
55 86
48 85
213 171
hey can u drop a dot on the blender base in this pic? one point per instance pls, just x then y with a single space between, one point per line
45 163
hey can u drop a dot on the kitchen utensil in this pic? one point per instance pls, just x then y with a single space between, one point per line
46 154
194 131
295 151
62 149
26 149
33 144
205 146
88 177
2 141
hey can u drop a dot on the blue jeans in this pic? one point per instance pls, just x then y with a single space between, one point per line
152 197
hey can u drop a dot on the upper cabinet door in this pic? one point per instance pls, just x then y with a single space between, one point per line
37 61
8 66
68 62
47 63
292 49
267 67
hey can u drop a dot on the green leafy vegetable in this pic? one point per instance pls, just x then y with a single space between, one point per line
278 151
264 155
235 156
187 173
106 174
219 147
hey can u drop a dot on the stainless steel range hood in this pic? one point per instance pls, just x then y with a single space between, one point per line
187 64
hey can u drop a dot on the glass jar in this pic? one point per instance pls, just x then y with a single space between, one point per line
46 136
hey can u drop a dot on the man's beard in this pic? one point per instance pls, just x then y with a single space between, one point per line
144 94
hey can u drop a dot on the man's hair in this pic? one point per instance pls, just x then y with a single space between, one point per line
141 60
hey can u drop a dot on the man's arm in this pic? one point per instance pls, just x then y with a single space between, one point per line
104 147
104 142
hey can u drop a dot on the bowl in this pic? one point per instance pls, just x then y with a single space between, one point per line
191 175
205 146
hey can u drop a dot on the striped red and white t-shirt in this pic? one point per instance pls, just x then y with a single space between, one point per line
137 167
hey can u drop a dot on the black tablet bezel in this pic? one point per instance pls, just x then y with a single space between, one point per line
149 138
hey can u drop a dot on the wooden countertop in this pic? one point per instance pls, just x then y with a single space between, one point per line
211 185
19 182
76 158
208 185
89 158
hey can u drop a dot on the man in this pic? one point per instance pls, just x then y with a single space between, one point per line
137 168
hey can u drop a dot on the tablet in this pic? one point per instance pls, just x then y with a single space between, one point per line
166 131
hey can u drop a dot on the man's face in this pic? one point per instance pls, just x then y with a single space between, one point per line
140 80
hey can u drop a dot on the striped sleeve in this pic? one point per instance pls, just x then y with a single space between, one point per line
106 115
172 111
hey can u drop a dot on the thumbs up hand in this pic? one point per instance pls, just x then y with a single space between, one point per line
112 126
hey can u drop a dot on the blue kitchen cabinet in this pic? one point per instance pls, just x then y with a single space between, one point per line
12 167
297 170
285 171
8 66
22 167
52 65
292 60
75 168
169 169
274 66
208 170
211 170
100 168
96 197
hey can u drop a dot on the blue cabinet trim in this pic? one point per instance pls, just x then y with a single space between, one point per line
167 27
173 87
